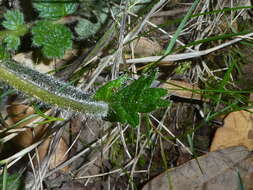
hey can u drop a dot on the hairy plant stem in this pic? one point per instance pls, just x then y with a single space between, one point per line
49 90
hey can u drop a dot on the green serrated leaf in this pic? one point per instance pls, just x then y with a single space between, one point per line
55 39
55 8
12 42
13 19
150 100
105 93
86 28
127 103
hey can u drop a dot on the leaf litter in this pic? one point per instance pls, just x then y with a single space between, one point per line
146 143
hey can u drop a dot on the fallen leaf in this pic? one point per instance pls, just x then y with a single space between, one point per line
58 157
219 171
28 60
40 63
182 89
236 131
144 47
18 112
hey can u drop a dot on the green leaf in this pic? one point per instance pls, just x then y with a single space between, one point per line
13 19
55 8
86 28
4 54
55 39
127 103
150 100
105 93
12 42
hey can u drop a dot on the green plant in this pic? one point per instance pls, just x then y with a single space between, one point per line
10 182
126 103
115 101
54 37
15 28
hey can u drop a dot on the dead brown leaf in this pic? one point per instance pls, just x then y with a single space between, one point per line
218 171
182 89
40 63
237 131
145 47
18 112
58 157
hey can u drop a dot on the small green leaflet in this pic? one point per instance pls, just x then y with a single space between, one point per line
48 119
105 93
12 42
55 39
13 19
126 103
54 8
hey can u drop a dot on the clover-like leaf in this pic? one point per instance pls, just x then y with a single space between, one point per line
55 39
12 42
13 19
54 8
126 103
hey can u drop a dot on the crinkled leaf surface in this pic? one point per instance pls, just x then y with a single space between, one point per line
55 8
126 103
85 28
12 42
13 19
55 39
105 93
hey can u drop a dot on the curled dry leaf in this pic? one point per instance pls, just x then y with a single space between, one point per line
27 60
18 112
58 157
236 131
182 89
43 65
144 47
215 170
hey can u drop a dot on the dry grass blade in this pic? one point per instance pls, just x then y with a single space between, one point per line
184 56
